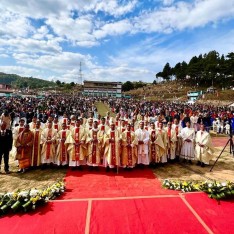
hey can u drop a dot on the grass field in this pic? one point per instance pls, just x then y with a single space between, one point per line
36 178
103 109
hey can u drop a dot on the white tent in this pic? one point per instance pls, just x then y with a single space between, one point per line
232 105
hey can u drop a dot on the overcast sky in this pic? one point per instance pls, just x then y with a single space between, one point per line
115 40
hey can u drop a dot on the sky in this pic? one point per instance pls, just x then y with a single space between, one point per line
115 40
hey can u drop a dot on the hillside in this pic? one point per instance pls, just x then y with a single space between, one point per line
23 82
177 90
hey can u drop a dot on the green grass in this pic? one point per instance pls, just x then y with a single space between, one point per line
31 179
103 108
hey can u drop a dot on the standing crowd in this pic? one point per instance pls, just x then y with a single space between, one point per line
64 131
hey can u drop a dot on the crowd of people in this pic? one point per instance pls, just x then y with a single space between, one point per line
68 131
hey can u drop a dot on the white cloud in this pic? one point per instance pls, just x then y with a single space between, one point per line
42 33
167 2
77 30
32 45
112 7
113 29
119 73
182 15
14 25
22 71
60 62
51 8
4 56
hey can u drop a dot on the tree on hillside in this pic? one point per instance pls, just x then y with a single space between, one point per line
139 84
166 73
203 69
127 86
154 82
180 70
230 65
58 82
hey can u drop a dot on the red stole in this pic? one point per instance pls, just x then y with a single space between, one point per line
169 139
123 129
153 150
49 137
103 128
177 130
169 133
132 128
113 152
94 149
77 147
63 148
116 123
56 126
129 141
65 120
21 129
35 150
146 128
73 124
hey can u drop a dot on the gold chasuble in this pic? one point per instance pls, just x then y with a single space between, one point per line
129 149
112 147
24 144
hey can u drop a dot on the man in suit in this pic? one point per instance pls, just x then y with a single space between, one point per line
6 141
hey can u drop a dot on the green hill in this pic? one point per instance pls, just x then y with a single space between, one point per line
23 82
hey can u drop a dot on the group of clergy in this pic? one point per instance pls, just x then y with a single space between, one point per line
108 142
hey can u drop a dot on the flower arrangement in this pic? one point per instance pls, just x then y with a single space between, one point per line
214 189
28 200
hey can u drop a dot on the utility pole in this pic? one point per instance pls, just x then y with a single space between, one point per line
80 78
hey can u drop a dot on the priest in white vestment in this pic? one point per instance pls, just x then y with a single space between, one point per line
188 137
204 150
142 137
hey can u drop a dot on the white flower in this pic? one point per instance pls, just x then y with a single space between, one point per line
8 194
209 185
34 192
224 184
23 194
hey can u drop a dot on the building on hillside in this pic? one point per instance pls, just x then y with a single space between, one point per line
5 90
102 89
211 89
193 95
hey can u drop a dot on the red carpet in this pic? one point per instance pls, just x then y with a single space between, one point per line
86 184
56 217
219 217
159 215
119 204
